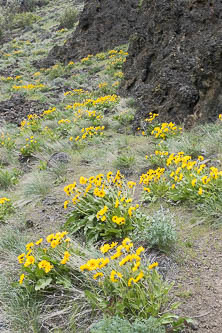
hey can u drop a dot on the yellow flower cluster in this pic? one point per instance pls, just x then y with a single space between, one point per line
182 170
6 141
165 130
29 86
98 187
86 59
4 200
94 102
102 85
87 114
89 132
30 147
44 264
65 258
32 122
151 176
119 74
55 239
129 263
151 117
32 256
10 78
64 121
100 56
49 111
101 214
118 220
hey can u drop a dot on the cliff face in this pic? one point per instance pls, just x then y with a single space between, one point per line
103 24
174 66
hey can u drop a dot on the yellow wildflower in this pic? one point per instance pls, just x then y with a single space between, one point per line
114 274
155 264
95 276
21 278
30 260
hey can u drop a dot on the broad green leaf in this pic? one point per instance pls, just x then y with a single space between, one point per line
43 283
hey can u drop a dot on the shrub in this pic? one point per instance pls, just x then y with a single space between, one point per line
160 232
23 20
103 206
125 117
44 262
8 178
182 178
7 141
118 325
6 208
31 146
127 286
68 18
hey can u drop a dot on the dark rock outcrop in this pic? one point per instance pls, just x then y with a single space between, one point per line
174 66
17 108
103 24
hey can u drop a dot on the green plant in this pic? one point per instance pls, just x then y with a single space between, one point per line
159 232
32 123
124 161
7 141
6 208
68 18
8 178
23 20
16 302
58 172
31 146
127 287
45 264
125 117
119 325
55 71
12 240
103 207
38 186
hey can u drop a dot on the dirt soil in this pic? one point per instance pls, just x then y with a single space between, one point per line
198 283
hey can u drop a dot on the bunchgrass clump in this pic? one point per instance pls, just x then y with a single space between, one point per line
22 20
37 186
68 19
124 161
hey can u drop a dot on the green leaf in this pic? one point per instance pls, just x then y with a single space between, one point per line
91 217
43 283
65 282
92 298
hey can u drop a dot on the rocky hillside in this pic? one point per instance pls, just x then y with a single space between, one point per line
174 64
103 25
